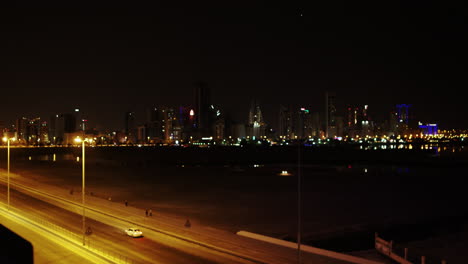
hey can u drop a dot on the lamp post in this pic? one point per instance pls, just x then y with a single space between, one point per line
82 141
5 139
299 205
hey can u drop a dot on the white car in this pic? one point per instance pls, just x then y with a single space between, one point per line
134 232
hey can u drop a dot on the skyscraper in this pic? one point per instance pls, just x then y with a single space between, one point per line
33 130
130 127
315 123
365 122
53 129
304 123
403 113
204 112
330 114
169 123
256 125
285 122
186 121
21 129
202 105
153 124
353 120
44 133
80 122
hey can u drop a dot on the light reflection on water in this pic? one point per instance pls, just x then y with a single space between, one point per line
437 148
53 157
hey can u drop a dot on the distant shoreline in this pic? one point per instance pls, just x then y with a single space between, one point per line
170 156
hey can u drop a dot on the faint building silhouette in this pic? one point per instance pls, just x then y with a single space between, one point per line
130 127
285 122
330 115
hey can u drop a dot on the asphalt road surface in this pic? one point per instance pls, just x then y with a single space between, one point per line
107 234
164 240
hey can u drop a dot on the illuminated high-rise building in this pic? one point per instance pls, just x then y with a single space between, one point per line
403 113
357 121
428 129
60 126
21 129
33 128
130 127
304 123
365 115
53 129
153 125
256 125
170 128
366 125
219 123
403 119
44 133
186 117
330 114
186 122
204 112
352 113
79 119
285 122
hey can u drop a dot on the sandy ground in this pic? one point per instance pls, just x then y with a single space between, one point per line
343 202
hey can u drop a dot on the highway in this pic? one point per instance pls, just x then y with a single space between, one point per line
107 235
165 239
46 249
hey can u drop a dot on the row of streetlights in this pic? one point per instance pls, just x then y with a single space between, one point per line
77 140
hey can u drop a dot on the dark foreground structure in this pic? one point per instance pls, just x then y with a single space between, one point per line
14 249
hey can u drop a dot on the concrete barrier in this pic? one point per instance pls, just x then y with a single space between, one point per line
305 248
386 248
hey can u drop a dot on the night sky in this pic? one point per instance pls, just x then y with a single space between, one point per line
110 59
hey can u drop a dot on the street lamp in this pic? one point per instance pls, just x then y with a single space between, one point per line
5 139
299 204
82 141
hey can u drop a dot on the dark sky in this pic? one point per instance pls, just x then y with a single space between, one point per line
110 59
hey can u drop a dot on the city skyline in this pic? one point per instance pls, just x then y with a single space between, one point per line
234 132
205 123
141 115
110 60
